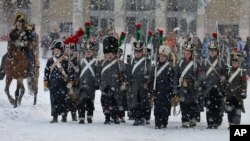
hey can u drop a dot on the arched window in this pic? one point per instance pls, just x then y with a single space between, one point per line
140 5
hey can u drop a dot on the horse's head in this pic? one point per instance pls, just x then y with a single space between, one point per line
11 49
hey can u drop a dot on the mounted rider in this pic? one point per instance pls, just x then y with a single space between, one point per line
21 37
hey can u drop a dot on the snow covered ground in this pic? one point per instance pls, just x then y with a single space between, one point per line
31 123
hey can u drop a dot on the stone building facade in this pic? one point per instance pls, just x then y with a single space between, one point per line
201 16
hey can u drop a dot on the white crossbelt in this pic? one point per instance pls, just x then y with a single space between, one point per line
88 66
190 64
162 68
211 67
59 66
108 66
137 64
234 75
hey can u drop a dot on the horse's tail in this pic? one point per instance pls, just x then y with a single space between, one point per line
32 85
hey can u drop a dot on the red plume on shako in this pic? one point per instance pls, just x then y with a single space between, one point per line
79 32
214 35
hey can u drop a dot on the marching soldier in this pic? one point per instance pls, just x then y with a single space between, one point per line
236 91
109 81
162 87
88 83
140 78
72 96
212 73
56 78
73 42
185 79
123 78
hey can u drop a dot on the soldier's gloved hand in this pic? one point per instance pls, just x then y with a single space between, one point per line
45 86
97 87
18 43
69 85
123 86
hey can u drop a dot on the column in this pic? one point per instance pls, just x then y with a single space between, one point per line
77 14
244 23
36 13
160 20
119 20
201 26
85 12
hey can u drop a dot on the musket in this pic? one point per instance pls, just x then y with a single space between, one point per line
156 57
228 54
125 46
155 69
120 42
146 52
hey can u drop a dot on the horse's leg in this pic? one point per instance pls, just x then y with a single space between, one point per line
22 91
16 94
35 90
35 82
7 86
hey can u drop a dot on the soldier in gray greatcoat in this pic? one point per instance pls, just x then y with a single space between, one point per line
162 86
57 79
236 92
186 73
72 93
139 82
123 81
213 74
88 83
109 81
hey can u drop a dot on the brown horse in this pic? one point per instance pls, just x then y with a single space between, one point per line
15 68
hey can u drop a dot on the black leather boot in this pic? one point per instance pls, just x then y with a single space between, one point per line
107 120
157 123
64 118
89 120
54 120
73 115
81 121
